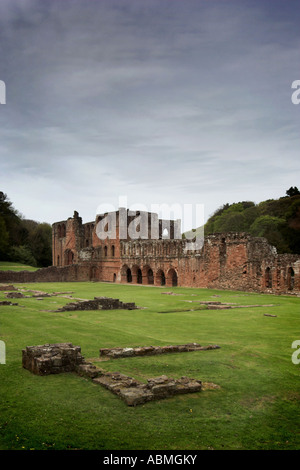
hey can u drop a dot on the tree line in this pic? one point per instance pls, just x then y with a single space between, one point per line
23 240
278 220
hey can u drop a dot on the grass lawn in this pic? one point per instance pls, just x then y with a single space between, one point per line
15 266
256 406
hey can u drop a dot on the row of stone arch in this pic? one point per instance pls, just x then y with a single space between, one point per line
146 275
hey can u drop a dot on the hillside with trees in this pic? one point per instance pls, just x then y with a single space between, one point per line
278 220
22 240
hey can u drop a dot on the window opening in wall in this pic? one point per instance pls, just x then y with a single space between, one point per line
291 279
268 278
165 234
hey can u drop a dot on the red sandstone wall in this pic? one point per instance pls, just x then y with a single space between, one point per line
227 261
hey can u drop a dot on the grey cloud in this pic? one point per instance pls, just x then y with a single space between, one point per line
161 100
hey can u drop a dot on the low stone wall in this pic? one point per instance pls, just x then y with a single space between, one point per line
6 302
99 303
64 357
52 358
70 273
136 393
116 353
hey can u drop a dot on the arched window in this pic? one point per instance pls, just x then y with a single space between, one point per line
114 277
105 250
113 250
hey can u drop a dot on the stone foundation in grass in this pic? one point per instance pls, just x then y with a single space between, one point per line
64 357
52 358
99 303
136 393
116 353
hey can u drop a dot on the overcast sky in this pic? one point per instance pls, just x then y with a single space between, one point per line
156 101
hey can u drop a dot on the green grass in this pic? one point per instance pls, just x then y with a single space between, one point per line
15 266
256 407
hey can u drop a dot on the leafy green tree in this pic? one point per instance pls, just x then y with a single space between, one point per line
22 254
4 240
230 222
40 242
21 239
271 228
293 191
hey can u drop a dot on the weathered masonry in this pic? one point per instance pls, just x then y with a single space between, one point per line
131 254
229 260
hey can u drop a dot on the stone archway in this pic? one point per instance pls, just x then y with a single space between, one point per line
172 278
160 279
126 275
93 273
68 257
150 276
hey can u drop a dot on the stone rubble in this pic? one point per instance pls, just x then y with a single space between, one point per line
99 303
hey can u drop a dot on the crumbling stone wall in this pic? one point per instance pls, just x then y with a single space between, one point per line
225 261
52 358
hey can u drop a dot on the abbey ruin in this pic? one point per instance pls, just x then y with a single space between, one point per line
145 256
135 253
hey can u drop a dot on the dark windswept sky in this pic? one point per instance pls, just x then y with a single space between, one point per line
156 101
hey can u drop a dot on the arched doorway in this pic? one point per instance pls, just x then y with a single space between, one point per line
69 257
150 277
93 273
172 278
160 278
